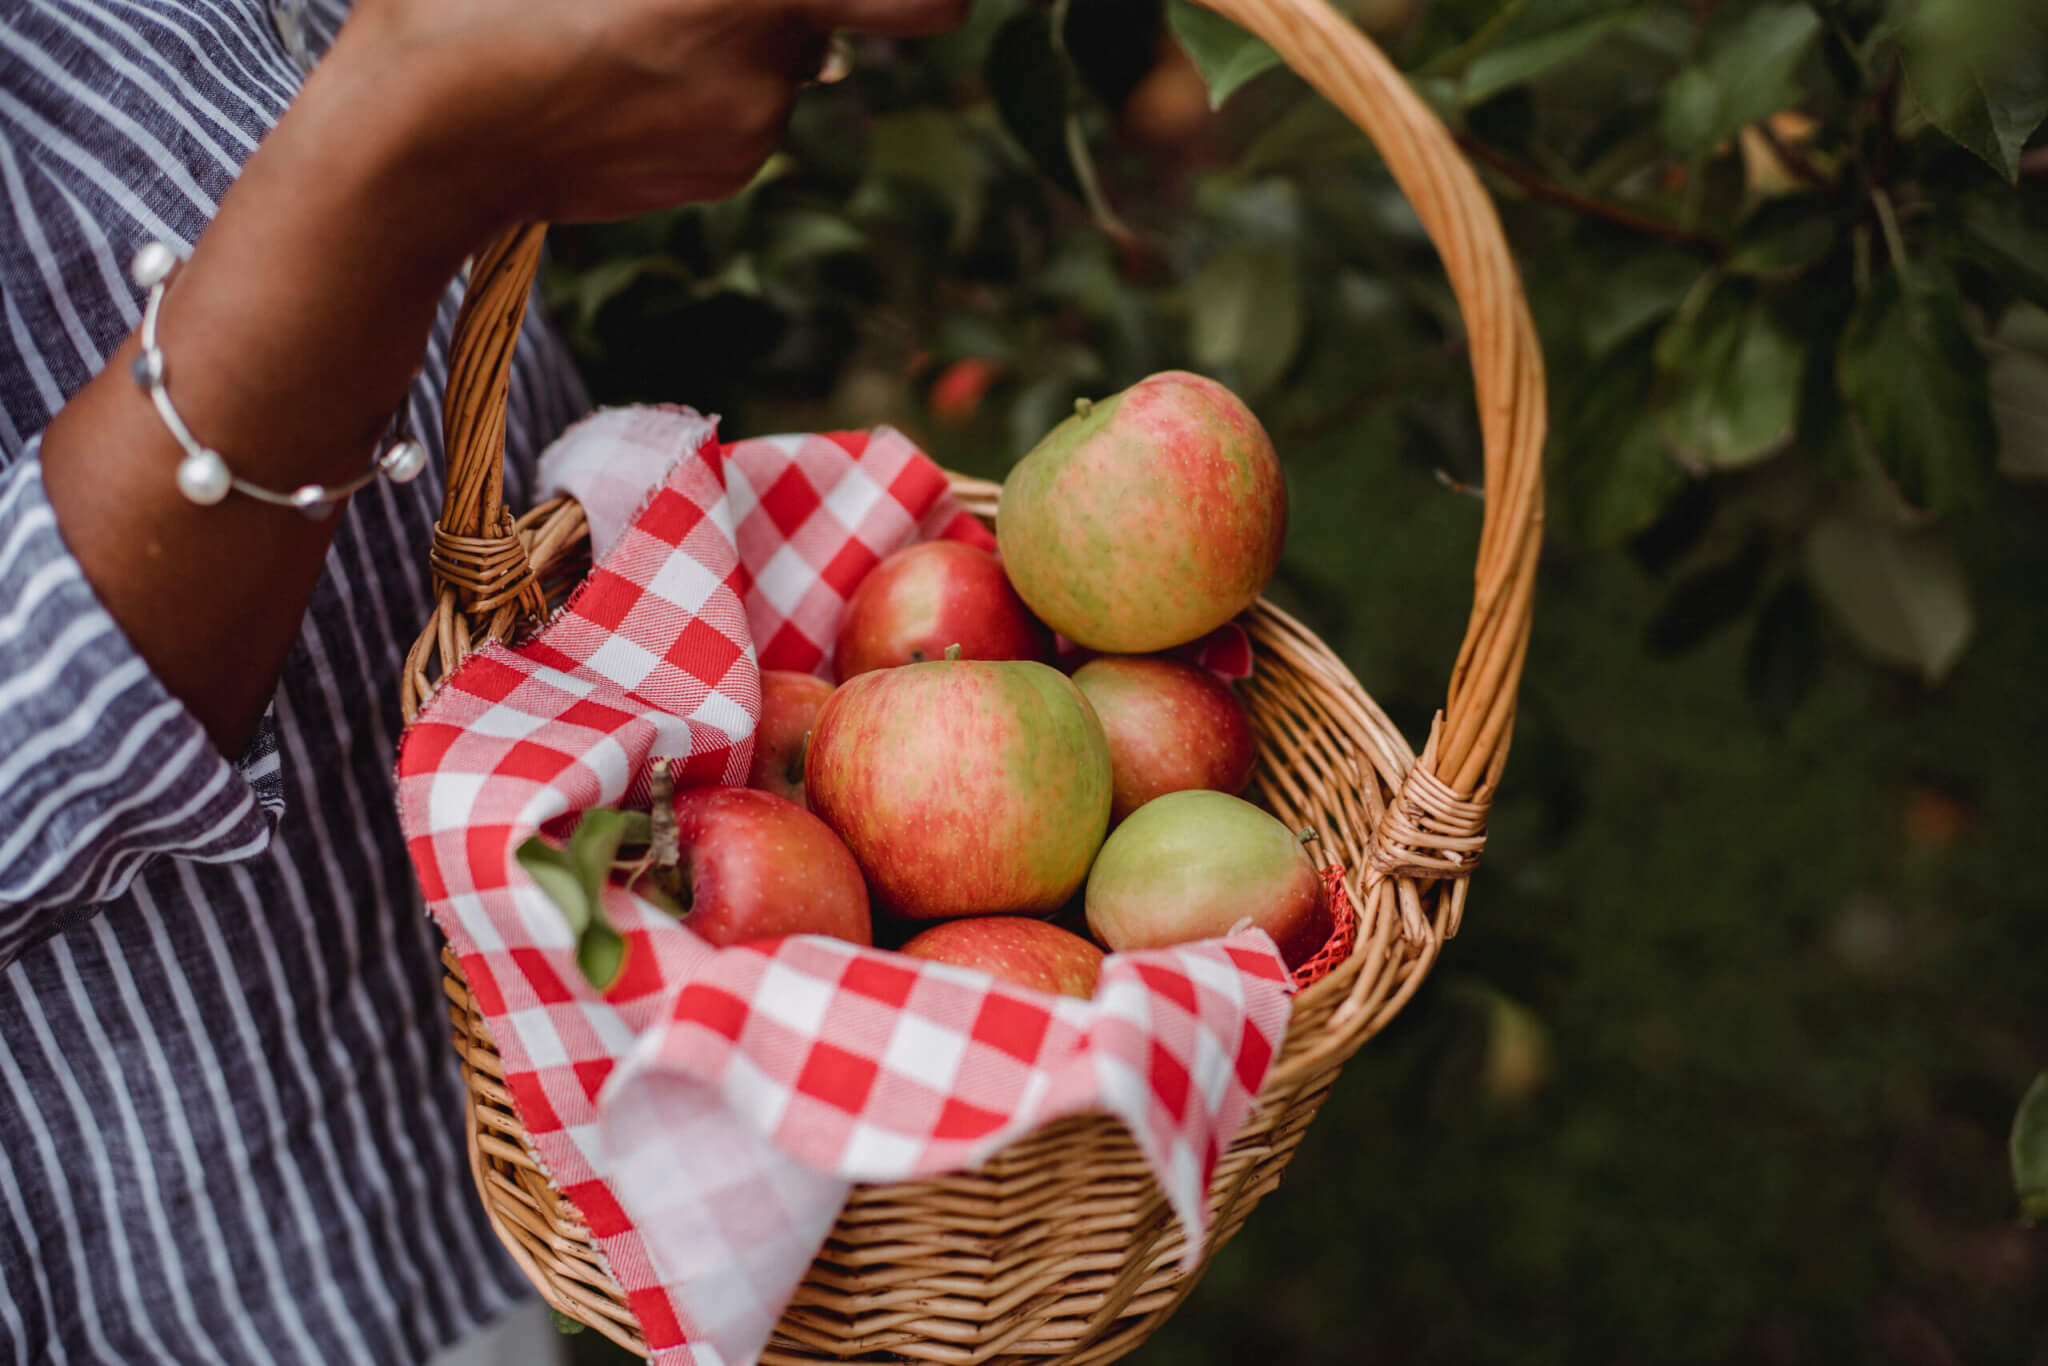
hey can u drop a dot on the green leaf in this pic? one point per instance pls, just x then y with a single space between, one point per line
1033 85
1731 382
595 843
1247 317
1783 237
809 235
1633 295
551 868
1916 390
2018 377
1617 476
1785 656
565 1325
1995 231
936 151
1706 600
2029 1148
600 953
1748 71
1504 67
1987 97
1900 592
1225 54
1312 133
575 878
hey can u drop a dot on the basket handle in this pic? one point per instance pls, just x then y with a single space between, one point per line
1435 823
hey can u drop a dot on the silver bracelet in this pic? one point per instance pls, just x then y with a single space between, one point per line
203 475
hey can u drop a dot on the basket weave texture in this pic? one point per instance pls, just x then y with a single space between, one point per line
1061 1247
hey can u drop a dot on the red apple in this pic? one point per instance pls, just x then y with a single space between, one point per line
756 866
1171 726
1147 519
963 787
1027 952
1190 865
928 596
789 706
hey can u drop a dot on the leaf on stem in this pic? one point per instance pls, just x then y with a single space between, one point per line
574 878
1731 381
1916 389
1748 71
1032 85
2030 1151
1900 592
1225 54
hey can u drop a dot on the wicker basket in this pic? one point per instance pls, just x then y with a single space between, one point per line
1061 1246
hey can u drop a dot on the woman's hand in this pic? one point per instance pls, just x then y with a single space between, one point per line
604 108
297 323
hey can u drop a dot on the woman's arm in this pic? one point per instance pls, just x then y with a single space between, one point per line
295 327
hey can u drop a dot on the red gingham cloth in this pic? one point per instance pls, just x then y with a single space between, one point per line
709 1112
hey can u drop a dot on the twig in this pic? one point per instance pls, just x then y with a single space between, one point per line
1894 240
1077 140
1536 185
1887 101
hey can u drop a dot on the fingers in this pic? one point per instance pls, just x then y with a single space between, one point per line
892 18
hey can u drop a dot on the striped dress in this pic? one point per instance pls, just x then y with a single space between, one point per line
229 1118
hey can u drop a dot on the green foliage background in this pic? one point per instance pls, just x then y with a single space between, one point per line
1726 1063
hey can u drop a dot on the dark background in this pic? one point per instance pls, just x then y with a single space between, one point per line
1725 1063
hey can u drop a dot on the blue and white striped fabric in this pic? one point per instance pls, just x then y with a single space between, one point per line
229 1120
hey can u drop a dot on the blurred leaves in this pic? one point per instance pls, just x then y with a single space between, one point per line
1618 477
1246 321
1901 592
1032 87
2019 392
1732 380
1706 601
1747 70
1915 387
2030 1150
1768 288
1508 65
1787 652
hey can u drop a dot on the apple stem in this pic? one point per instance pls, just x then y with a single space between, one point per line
952 652
666 874
1084 406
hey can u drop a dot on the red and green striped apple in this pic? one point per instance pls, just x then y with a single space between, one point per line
963 787
1147 519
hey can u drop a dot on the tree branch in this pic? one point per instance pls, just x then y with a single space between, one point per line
1536 186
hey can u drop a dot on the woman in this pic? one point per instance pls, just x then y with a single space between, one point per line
229 1130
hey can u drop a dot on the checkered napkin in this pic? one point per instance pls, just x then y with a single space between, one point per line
709 1112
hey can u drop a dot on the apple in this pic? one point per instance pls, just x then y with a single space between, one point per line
1017 949
963 787
755 866
926 597
1171 726
1190 865
789 704
1145 520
